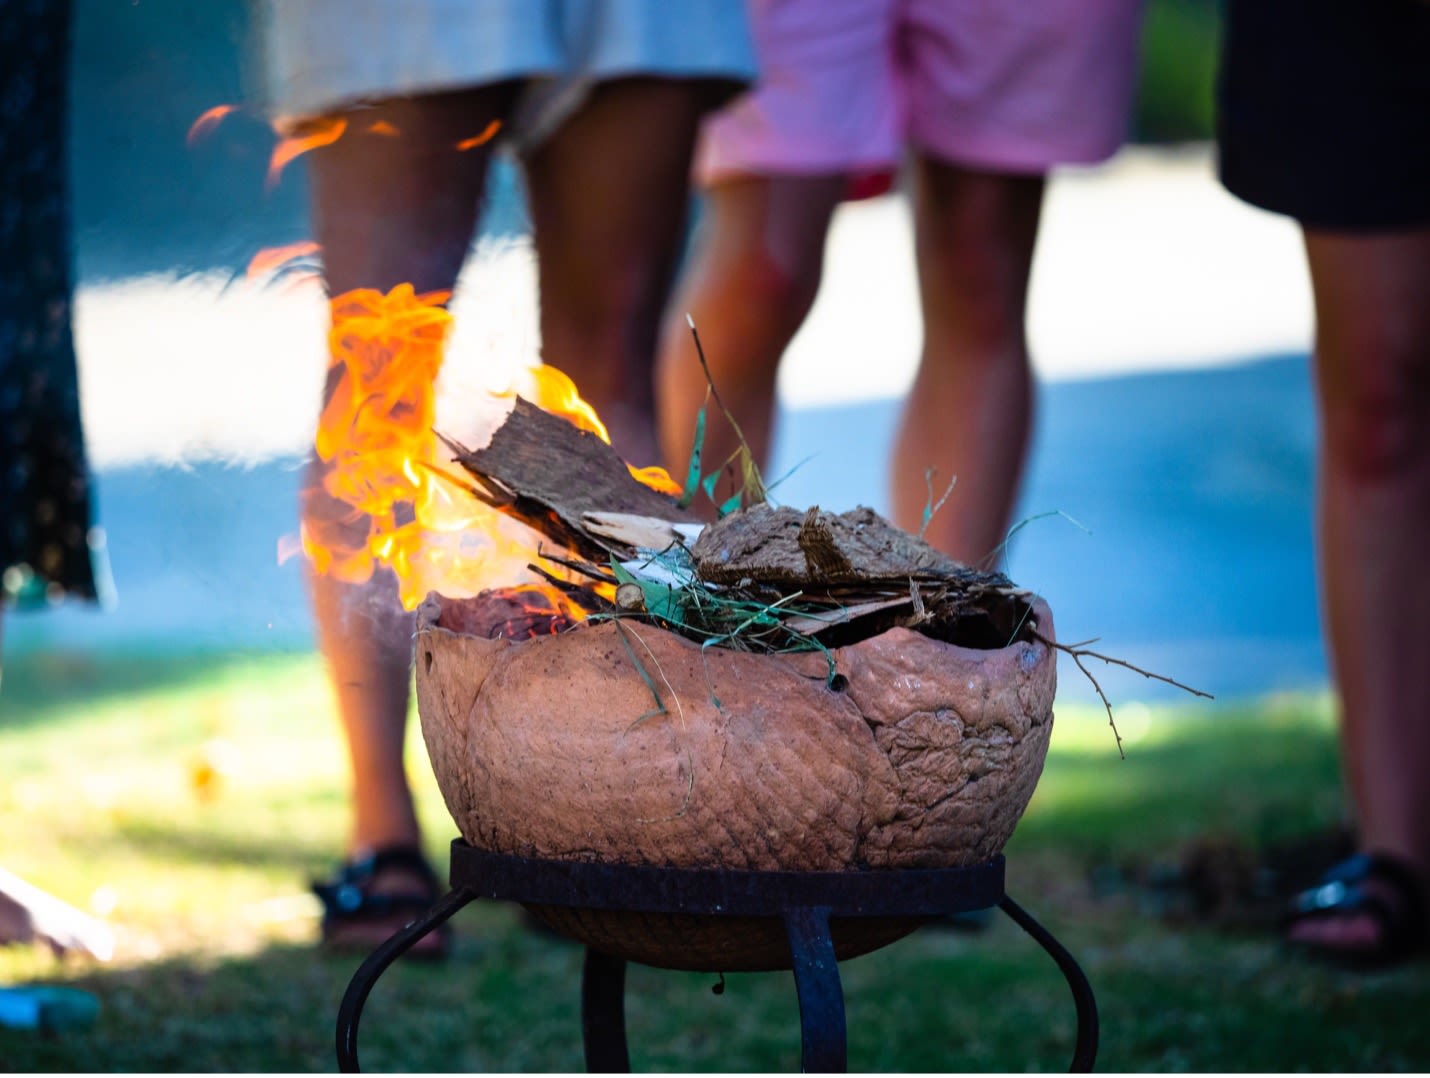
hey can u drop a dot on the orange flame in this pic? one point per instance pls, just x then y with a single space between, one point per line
322 132
209 120
270 259
488 133
382 127
384 461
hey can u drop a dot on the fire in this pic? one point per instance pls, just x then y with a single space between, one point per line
206 122
290 261
383 460
488 133
316 133
313 133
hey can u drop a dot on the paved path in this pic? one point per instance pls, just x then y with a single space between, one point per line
1170 326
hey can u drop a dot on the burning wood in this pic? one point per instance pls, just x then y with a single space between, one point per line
762 578
544 472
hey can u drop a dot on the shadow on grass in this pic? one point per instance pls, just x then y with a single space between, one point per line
509 1001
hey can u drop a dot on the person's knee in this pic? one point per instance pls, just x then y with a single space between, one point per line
975 283
756 298
975 237
1377 417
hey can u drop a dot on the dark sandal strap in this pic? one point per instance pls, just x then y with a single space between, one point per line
1342 891
347 894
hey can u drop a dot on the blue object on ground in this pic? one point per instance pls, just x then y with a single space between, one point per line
47 1008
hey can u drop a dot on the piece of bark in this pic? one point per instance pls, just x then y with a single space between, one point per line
548 474
628 529
812 548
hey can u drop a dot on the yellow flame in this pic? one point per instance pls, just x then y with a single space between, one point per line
384 461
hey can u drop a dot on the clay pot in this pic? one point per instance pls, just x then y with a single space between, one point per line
921 754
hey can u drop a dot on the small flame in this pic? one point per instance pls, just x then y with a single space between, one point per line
657 478
382 127
322 132
384 461
272 259
205 124
488 133
542 610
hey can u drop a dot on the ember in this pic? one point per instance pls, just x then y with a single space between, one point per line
519 613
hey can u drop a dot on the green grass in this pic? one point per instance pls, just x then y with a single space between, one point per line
191 798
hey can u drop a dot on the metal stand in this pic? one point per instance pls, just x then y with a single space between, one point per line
805 901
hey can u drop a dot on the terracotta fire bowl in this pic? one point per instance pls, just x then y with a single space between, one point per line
621 742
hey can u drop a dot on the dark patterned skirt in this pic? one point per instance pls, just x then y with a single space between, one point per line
49 547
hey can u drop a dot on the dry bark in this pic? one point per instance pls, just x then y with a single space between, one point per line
548 474
799 549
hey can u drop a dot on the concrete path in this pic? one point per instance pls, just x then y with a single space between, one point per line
1170 325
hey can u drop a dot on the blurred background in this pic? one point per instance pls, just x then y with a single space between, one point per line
171 764
1169 493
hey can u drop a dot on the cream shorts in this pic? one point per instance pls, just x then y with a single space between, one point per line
847 85
322 55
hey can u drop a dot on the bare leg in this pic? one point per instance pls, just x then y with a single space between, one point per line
751 280
969 413
387 210
1373 382
609 195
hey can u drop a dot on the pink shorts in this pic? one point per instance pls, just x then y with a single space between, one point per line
1009 85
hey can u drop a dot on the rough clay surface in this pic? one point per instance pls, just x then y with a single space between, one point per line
555 747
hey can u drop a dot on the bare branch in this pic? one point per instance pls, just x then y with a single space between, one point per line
1079 652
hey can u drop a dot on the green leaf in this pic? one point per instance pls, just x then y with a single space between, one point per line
663 601
692 475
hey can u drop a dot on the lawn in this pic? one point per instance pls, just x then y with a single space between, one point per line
189 799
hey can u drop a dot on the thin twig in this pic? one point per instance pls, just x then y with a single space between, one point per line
1078 653
585 568
751 477
679 708
931 507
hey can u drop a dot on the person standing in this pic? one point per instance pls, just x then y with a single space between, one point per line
49 550
980 98
601 100
1324 116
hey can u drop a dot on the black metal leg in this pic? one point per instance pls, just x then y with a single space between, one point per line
603 1014
1085 1052
823 1035
350 1011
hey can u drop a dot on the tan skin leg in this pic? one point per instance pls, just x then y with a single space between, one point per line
750 282
387 211
969 413
1372 367
608 193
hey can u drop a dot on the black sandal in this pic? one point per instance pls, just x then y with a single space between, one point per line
357 919
1400 921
